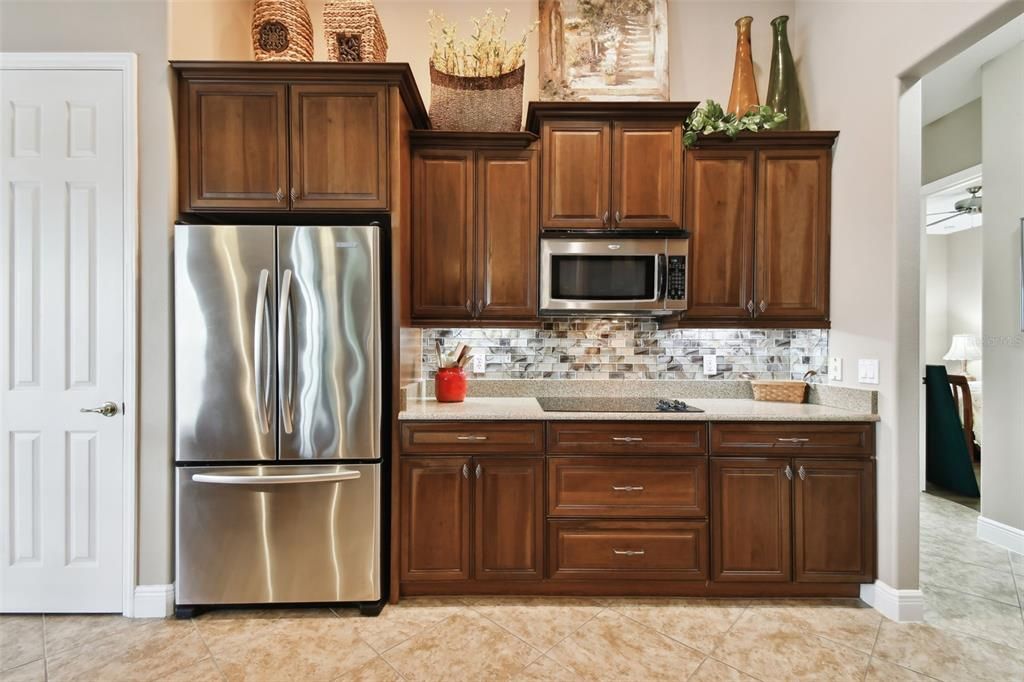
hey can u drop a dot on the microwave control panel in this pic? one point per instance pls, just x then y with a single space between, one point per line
676 278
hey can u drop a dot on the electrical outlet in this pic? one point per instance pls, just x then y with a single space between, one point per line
867 371
710 365
479 364
835 369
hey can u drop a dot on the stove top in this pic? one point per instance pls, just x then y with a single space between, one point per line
589 404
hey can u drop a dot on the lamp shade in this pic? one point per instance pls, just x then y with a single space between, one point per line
964 347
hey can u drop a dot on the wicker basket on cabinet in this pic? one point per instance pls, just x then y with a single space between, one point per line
354 32
281 31
779 391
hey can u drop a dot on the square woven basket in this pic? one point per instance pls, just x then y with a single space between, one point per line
779 391
354 32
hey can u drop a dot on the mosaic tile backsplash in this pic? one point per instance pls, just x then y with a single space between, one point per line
634 348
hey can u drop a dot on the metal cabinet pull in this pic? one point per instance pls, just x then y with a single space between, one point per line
279 195
789 472
604 218
465 471
618 217
478 471
750 306
763 306
470 437
629 552
293 194
793 440
627 439
628 488
107 409
802 473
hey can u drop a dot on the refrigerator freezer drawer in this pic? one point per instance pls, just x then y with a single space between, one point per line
278 534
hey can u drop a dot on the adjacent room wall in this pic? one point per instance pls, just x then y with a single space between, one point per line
936 312
951 143
1002 475
139 27
952 294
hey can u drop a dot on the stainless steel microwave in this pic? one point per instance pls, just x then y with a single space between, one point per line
591 275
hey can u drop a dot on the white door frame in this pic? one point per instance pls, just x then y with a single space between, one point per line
126 64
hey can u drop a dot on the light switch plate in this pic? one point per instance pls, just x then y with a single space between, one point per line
479 364
835 369
710 365
867 371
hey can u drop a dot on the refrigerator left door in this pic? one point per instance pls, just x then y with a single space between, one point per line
225 289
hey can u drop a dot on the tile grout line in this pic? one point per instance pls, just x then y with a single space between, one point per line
216 663
874 644
46 661
543 652
429 626
674 639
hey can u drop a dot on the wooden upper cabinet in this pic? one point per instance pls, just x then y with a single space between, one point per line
791 278
506 201
435 518
751 520
339 143
443 243
237 146
719 206
834 525
508 518
647 167
576 185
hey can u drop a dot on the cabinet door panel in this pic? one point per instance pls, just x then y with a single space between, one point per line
576 180
507 234
509 518
339 146
834 539
719 208
443 235
237 146
435 518
792 234
751 520
647 167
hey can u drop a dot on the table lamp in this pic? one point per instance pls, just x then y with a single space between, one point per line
964 347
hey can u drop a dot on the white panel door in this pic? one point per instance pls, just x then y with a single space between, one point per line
61 341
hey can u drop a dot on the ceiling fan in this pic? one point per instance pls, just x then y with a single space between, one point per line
968 206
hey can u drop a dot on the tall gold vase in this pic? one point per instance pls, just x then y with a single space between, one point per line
744 88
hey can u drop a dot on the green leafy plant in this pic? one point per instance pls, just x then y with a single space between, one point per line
711 117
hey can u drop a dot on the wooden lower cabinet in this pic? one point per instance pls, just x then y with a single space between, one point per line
508 518
435 518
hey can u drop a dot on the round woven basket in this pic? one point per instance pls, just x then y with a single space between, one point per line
477 103
281 31
779 391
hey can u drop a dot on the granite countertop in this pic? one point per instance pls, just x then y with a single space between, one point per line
715 409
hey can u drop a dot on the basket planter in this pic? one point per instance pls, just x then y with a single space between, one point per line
477 103
354 32
779 391
281 31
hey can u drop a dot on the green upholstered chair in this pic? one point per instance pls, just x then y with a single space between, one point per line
948 462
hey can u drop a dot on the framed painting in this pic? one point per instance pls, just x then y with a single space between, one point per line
603 49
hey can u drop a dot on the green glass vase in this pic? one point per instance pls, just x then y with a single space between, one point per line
783 89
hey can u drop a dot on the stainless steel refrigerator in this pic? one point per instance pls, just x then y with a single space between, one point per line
279 385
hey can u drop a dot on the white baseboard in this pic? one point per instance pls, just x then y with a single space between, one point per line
903 606
153 601
1000 534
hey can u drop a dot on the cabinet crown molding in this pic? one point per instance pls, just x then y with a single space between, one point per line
537 112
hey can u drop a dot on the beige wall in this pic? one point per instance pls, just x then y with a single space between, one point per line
951 143
139 27
1002 476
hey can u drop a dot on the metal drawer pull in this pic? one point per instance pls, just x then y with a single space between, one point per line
803 473
627 439
478 471
465 471
470 437
628 488
793 440
629 552
789 472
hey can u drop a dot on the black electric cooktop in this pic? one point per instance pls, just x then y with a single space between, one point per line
614 405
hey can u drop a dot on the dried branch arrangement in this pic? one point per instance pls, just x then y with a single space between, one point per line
486 53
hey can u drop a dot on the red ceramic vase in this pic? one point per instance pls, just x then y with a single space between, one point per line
450 385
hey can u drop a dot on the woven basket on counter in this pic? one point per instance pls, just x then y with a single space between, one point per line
779 391
477 103
281 31
354 32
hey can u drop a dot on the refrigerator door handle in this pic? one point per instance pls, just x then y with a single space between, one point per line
229 479
285 351
258 369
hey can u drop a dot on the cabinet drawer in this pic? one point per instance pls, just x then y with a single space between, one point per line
640 550
592 438
793 438
457 437
627 486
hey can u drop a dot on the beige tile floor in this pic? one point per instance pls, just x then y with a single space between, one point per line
973 631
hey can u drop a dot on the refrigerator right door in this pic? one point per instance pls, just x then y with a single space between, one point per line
225 378
329 342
